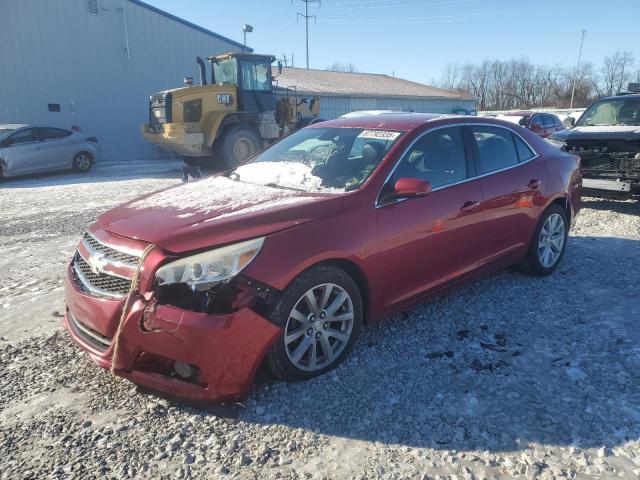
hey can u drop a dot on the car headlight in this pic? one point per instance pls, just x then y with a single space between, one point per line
556 143
204 270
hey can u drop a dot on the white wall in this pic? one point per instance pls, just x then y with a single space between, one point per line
53 51
334 106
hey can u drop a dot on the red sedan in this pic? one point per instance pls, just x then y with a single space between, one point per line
282 260
542 124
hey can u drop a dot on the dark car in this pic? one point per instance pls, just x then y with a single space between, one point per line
190 289
607 137
542 124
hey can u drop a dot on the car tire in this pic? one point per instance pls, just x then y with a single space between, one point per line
326 338
548 244
237 145
82 162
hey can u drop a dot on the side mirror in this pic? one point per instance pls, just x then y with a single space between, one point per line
569 122
6 142
411 187
523 121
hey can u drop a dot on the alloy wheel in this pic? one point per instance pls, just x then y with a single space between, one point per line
551 241
319 327
83 162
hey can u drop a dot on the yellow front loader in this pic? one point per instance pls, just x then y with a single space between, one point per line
222 123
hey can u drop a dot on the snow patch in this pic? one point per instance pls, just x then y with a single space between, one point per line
285 174
271 204
211 194
608 129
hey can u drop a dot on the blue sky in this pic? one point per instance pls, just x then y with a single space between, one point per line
415 39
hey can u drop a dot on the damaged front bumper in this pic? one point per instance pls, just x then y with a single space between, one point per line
184 353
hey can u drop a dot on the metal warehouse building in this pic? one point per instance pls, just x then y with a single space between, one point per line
94 63
343 92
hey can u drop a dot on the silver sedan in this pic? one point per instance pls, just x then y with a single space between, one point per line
28 149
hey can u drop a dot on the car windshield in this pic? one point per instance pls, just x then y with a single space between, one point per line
618 112
319 159
5 131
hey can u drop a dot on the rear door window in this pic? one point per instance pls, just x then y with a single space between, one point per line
524 151
536 121
53 133
549 121
496 148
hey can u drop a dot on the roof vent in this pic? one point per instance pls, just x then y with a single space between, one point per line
92 7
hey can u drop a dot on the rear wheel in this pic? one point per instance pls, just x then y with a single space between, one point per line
548 244
237 145
82 162
321 314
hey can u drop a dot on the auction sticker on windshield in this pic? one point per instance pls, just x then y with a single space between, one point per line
379 134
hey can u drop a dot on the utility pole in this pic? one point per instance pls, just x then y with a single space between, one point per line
575 76
306 17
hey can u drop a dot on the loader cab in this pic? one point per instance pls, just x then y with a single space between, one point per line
252 75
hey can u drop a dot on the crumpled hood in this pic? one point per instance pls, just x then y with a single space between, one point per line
215 211
598 133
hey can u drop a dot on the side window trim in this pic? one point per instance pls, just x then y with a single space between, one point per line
40 134
475 154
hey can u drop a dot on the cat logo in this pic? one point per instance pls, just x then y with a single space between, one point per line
225 99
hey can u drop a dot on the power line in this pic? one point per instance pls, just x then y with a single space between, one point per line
573 89
306 17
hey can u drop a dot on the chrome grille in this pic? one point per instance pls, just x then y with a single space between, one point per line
110 253
100 283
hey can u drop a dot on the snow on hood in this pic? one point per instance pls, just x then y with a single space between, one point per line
215 211
286 174
214 194
608 129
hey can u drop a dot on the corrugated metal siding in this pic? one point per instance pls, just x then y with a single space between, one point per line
55 52
334 106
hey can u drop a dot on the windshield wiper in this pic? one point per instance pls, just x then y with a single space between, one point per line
277 185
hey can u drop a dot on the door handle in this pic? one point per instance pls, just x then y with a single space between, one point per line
534 183
469 207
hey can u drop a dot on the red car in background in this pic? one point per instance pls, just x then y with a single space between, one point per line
188 290
542 124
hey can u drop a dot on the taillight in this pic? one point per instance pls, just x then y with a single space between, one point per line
92 139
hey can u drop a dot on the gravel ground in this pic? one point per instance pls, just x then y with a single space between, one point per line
508 377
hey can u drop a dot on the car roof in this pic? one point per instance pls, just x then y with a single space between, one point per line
618 97
519 114
15 126
399 121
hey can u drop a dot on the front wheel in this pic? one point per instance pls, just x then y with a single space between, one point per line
237 145
321 314
548 244
82 162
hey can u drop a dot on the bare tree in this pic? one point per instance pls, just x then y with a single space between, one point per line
616 72
450 76
518 83
342 67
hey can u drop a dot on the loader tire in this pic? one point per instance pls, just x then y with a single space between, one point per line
237 145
